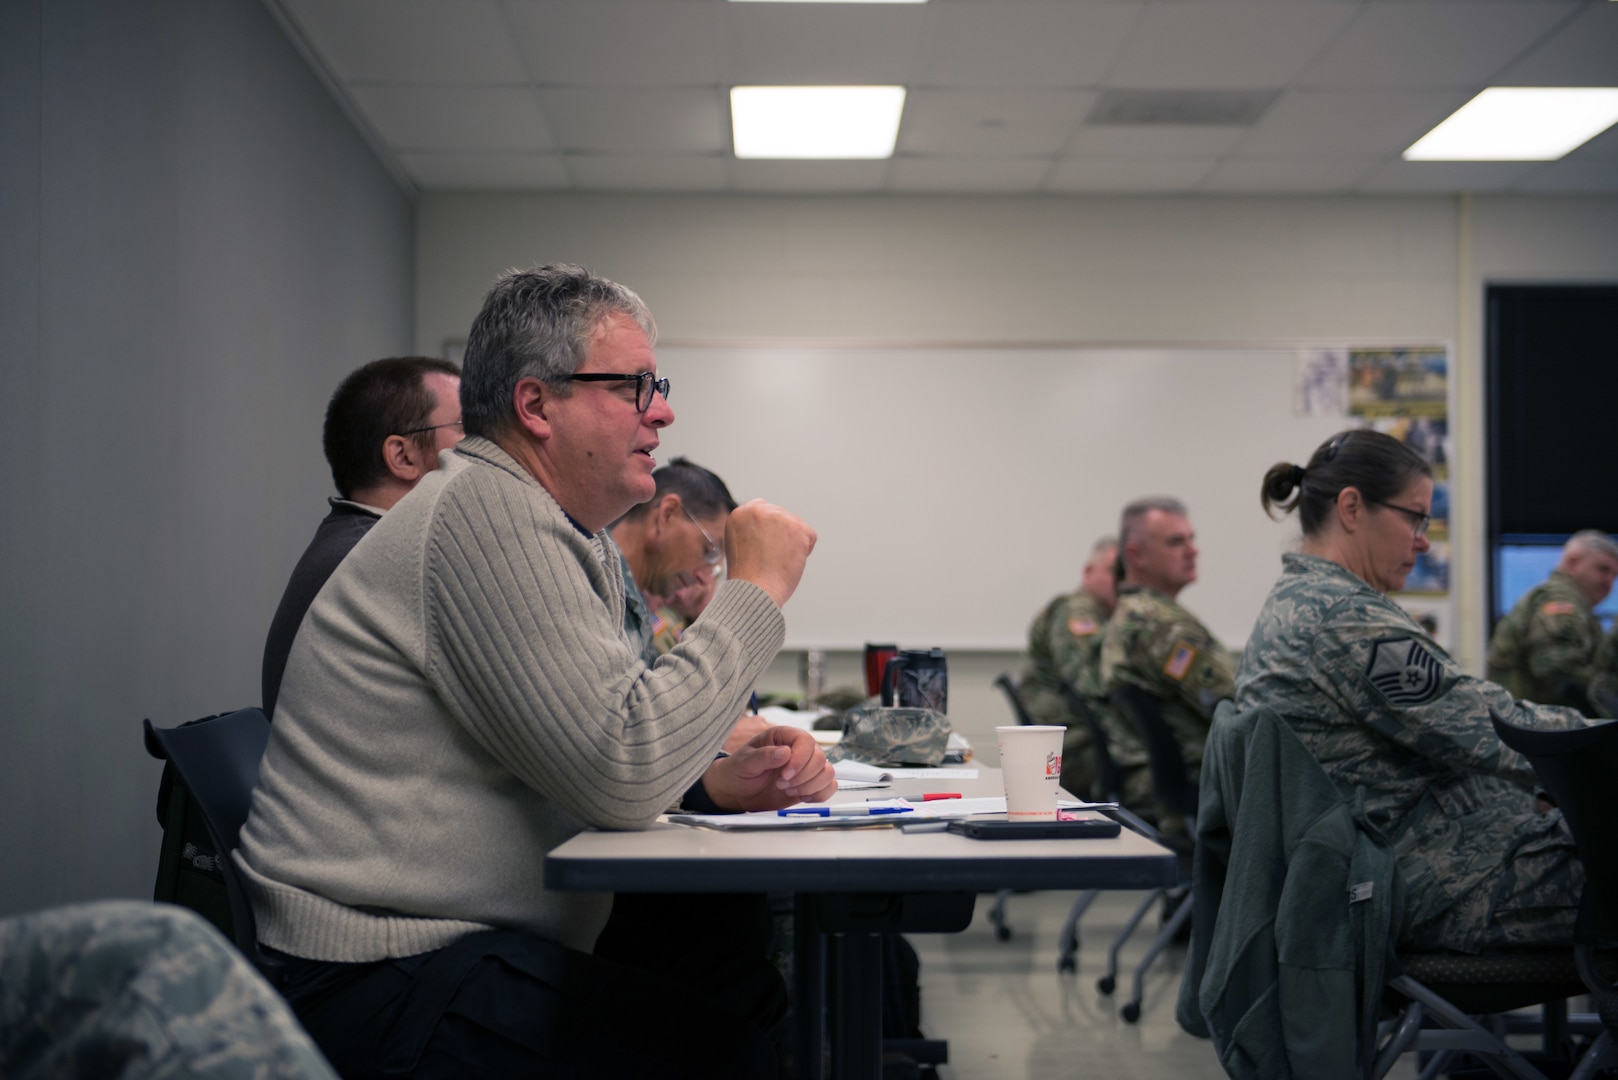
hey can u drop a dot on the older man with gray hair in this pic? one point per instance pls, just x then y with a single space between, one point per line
1543 650
1155 644
463 697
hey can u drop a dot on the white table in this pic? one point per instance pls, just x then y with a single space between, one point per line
851 884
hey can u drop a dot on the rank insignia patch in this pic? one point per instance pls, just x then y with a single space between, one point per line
1179 660
1082 627
1558 607
1404 671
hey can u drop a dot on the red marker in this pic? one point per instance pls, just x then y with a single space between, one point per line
932 795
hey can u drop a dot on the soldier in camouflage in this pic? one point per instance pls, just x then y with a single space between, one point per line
1604 677
1154 643
1391 717
1543 649
140 991
1064 645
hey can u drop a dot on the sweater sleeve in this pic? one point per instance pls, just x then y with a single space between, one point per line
526 648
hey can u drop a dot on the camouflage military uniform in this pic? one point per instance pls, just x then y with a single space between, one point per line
138 990
1604 677
1392 719
667 626
1542 650
1155 644
1064 642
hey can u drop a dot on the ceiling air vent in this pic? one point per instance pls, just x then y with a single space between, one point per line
1203 108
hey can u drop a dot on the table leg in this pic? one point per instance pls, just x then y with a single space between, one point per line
809 992
856 1006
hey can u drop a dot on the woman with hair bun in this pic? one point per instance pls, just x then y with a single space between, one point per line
1387 712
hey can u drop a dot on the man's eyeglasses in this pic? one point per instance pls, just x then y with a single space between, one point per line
434 427
1418 520
645 383
713 553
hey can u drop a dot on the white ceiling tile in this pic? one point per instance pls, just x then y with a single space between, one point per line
1137 174
1166 140
608 173
602 42
469 118
816 44
1343 123
637 120
1019 45
1569 176
997 174
1198 46
1289 175
806 176
486 172
419 41
1433 45
1447 175
1017 123
1582 53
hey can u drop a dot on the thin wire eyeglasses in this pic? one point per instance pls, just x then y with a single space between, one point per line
645 383
1418 520
434 427
714 553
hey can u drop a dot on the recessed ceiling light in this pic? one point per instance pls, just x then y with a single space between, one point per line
815 121
1520 123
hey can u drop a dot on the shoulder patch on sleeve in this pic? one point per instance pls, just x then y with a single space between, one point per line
1180 660
1082 627
1404 671
1558 607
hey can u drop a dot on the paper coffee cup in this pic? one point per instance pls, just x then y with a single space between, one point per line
1031 765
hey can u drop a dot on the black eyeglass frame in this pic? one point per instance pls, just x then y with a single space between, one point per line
1417 519
432 427
645 383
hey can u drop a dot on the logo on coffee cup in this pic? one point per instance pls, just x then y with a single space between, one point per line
1053 765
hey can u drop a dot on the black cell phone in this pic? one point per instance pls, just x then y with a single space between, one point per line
998 828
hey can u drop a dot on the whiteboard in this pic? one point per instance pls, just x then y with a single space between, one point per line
956 490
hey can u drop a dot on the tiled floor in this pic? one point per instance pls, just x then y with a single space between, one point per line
1007 1012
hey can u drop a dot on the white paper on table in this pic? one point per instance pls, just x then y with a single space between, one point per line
798 718
927 773
858 770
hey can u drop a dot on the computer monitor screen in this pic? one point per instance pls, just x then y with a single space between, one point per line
1523 560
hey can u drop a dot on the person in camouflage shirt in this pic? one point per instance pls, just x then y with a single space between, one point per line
1604 676
1154 643
1543 649
1393 719
1064 644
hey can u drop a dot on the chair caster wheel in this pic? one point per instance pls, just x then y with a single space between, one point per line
1130 1012
1066 965
1002 932
1106 984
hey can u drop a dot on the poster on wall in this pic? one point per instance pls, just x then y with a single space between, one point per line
1404 392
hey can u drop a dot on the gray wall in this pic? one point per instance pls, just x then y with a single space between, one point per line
197 244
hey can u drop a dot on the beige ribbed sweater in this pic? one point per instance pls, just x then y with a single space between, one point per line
460 699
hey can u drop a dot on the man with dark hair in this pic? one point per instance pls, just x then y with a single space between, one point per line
463 697
672 541
385 426
1155 644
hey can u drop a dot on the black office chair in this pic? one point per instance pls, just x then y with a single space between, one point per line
1172 788
215 762
1577 767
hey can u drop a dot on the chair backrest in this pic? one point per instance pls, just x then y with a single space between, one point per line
1010 689
1170 784
1107 770
217 760
1577 767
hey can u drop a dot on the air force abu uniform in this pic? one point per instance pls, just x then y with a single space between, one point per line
1392 719
1543 649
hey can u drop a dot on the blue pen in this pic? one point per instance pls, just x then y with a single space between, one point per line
842 811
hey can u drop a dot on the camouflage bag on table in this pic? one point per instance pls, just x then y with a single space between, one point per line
892 736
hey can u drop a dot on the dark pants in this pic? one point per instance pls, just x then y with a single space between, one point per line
678 987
